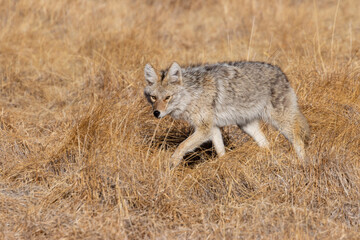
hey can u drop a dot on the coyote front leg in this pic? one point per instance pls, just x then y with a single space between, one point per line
192 142
218 141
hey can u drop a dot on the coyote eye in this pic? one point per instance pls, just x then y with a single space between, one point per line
153 98
167 98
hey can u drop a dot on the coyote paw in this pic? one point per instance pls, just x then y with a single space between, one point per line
174 162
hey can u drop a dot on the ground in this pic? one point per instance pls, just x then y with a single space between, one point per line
82 157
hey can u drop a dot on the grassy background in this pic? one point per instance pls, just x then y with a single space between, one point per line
82 157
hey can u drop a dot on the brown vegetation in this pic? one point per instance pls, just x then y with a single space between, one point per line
82 157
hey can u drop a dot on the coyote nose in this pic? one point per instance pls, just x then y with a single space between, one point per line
156 113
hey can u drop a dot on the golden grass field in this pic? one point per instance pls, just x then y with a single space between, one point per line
82 157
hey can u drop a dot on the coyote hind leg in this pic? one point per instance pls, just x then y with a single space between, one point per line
253 129
294 127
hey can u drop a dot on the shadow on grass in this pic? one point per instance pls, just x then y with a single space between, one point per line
173 138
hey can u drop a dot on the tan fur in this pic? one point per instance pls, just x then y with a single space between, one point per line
160 105
216 95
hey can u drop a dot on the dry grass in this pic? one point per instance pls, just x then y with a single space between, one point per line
82 157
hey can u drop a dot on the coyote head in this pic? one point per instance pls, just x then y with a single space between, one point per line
164 93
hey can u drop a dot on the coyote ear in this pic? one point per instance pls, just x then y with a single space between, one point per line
175 74
150 74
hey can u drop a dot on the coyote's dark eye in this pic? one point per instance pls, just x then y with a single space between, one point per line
167 98
153 98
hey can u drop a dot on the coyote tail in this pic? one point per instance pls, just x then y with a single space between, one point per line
304 129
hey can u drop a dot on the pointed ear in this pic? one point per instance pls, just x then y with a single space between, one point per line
175 74
150 74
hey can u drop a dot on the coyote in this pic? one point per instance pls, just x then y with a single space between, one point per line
212 96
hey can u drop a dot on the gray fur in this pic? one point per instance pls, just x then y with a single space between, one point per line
212 96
